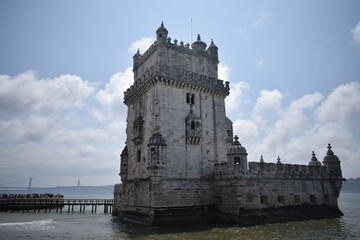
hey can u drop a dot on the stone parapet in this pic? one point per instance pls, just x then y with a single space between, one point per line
256 169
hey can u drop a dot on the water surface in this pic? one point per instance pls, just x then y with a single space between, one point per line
76 225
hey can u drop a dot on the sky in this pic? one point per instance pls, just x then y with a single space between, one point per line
293 67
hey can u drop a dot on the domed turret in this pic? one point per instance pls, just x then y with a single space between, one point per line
332 163
199 46
124 163
156 139
137 58
157 151
124 152
213 51
161 34
314 161
237 155
236 147
330 156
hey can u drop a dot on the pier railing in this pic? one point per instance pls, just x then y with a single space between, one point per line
55 203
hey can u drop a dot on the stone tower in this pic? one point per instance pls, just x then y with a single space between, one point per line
176 126
180 163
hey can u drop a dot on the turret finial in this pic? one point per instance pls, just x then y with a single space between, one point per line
278 160
236 138
329 152
313 156
198 37
261 159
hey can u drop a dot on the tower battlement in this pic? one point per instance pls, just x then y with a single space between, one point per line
164 59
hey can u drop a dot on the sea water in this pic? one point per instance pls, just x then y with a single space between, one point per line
85 225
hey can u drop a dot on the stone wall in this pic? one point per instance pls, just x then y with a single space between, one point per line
270 186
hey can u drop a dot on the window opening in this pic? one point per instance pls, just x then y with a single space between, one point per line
237 160
138 155
192 125
192 99
264 199
312 199
281 199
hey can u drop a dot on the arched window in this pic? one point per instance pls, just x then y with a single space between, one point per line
192 125
187 97
237 160
192 100
138 155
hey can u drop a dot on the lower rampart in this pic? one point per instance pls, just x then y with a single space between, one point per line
265 193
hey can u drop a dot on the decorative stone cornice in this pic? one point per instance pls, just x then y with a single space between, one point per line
131 94
171 76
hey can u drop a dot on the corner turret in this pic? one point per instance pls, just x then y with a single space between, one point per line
161 34
237 155
314 161
199 46
137 59
213 51
124 163
332 163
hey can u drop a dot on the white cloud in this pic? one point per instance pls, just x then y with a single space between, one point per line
224 71
112 96
237 89
343 104
234 100
268 107
306 124
46 131
263 18
25 93
269 100
356 33
246 130
142 44
98 115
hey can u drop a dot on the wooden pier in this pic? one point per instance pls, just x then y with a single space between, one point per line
55 204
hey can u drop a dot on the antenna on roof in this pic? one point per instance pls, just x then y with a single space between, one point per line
191 29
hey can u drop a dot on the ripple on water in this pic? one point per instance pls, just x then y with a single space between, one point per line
45 224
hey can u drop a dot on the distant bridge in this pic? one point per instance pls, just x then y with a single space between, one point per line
30 180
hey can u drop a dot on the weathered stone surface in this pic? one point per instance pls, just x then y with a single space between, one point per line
180 163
